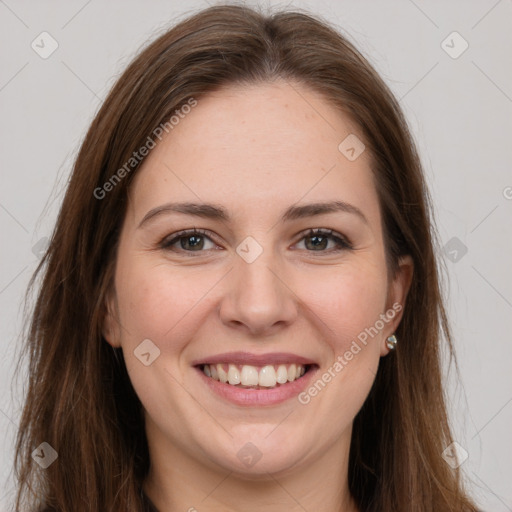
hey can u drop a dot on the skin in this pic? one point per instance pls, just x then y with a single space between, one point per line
256 150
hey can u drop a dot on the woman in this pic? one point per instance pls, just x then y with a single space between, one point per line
240 306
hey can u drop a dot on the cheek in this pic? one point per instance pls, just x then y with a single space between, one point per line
155 304
161 302
349 301
150 303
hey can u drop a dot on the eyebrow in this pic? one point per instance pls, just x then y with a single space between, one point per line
218 212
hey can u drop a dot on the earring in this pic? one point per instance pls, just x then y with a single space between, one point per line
391 342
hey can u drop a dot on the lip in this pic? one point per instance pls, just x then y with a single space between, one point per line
258 397
254 359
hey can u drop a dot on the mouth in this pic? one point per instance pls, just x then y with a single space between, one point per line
255 377
255 380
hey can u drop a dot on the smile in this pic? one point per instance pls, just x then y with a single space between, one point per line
255 377
252 380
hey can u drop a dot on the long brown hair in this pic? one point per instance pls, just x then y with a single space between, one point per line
80 399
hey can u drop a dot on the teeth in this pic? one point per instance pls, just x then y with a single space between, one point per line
247 375
233 374
292 373
282 374
223 374
267 377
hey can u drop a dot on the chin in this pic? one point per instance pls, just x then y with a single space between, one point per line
261 456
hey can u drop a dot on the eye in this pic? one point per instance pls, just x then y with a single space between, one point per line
196 240
190 240
319 240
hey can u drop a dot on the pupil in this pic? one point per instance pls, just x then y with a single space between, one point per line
196 241
321 244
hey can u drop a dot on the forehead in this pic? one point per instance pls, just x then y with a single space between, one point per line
265 144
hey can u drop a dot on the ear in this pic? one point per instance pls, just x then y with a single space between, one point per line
397 294
110 328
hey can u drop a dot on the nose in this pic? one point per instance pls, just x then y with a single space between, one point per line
258 299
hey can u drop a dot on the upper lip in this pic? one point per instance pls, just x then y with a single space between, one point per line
247 358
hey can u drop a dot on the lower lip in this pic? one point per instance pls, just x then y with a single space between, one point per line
248 396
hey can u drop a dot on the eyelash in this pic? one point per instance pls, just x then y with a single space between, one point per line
342 242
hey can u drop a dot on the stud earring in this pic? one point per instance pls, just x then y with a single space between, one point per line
391 342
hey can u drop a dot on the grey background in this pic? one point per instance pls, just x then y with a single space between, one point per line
459 110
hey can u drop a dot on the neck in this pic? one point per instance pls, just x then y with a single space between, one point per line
179 482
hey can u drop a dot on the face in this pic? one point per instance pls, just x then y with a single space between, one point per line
292 305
